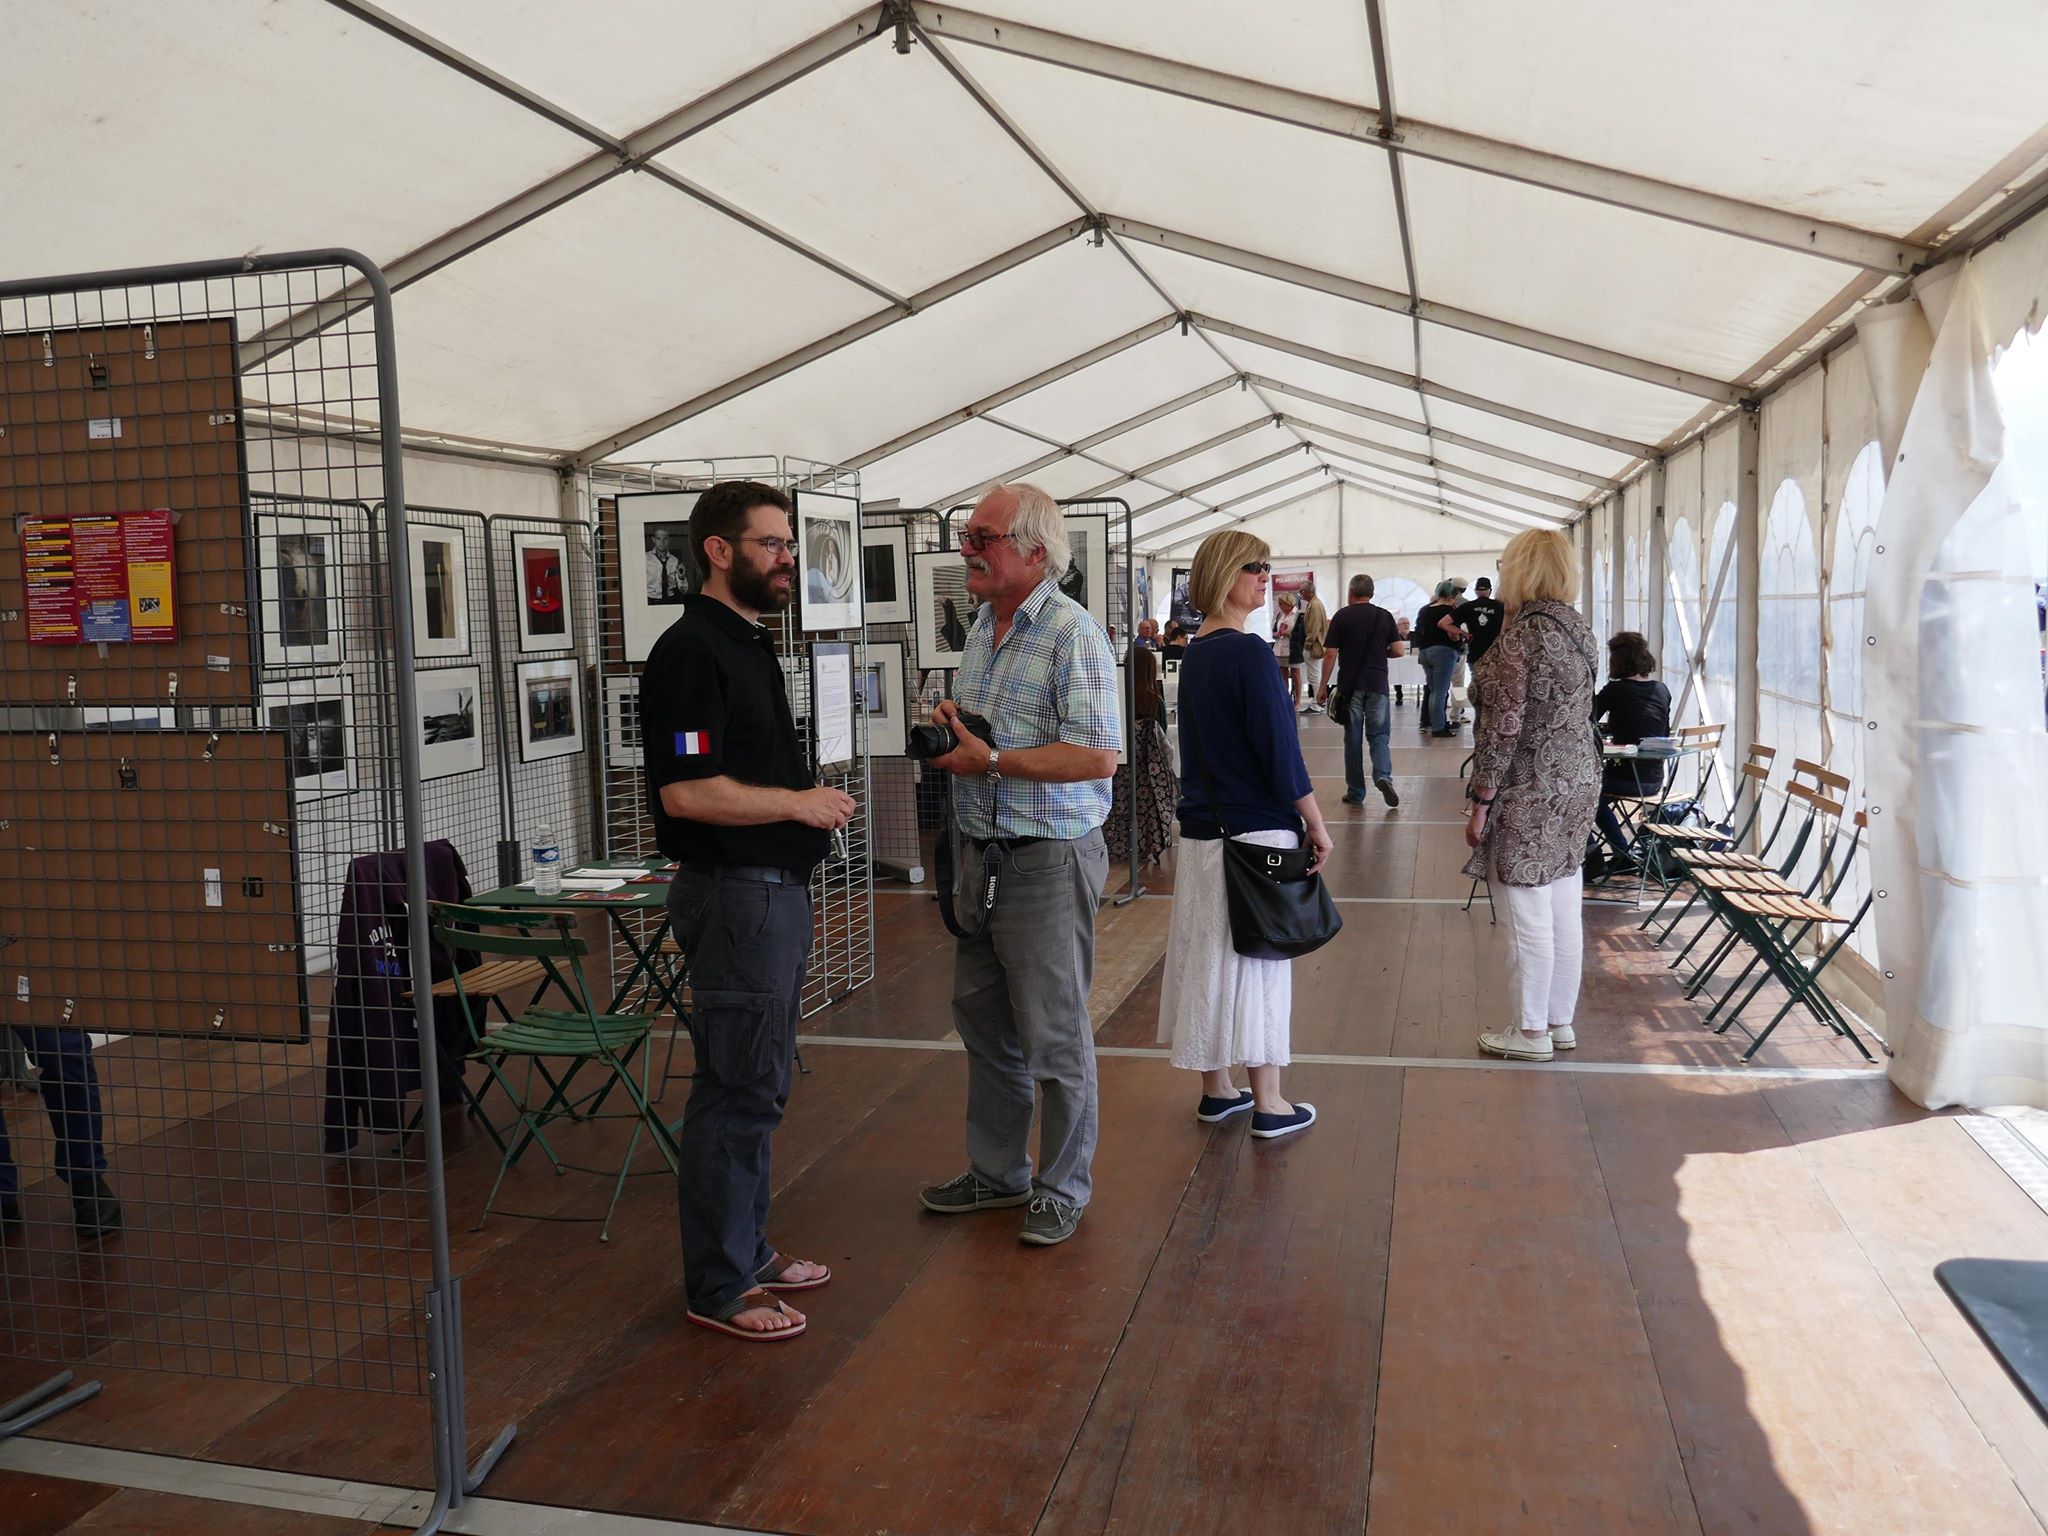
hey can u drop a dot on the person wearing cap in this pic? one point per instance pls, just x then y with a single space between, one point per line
1478 621
1437 647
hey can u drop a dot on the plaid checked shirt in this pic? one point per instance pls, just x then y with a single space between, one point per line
1052 679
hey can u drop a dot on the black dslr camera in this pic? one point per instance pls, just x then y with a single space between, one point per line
928 741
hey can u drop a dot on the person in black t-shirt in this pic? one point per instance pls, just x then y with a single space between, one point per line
1635 705
1357 645
735 803
1437 647
1479 620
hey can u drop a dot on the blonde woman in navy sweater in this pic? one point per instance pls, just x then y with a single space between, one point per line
1242 776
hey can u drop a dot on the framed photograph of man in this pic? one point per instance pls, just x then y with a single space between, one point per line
450 723
878 695
944 610
300 579
622 722
1086 578
440 589
657 564
316 716
541 562
550 710
828 562
885 573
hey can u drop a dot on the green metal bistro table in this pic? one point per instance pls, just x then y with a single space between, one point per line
1612 753
647 891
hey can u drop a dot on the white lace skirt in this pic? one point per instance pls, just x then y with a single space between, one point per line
1216 1008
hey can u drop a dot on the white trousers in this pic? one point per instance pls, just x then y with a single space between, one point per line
1546 950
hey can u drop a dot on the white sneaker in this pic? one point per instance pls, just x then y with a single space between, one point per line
1563 1037
1516 1046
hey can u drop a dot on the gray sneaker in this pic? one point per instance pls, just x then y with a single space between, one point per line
1048 1221
956 1197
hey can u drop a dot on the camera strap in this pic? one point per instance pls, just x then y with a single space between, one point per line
945 861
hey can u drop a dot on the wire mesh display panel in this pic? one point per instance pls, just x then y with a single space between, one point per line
643 572
201 833
905 796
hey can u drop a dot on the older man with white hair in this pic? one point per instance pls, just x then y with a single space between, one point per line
1030 802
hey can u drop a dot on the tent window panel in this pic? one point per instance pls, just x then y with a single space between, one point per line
1720 690
1681 613
1848 571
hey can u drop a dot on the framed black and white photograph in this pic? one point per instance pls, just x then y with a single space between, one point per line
622 722
828 562
450 724
440 590
541 562
885 573
944 610
878 694
316 717
657 565
1086 578
302 589
550 710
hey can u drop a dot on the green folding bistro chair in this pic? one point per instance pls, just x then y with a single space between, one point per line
580 1036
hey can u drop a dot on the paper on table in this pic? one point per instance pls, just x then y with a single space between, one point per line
593 883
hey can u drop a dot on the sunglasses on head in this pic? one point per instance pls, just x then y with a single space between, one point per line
1257 567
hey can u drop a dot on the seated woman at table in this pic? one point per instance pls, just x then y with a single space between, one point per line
1634 705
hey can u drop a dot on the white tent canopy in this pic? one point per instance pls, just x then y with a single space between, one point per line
1492 255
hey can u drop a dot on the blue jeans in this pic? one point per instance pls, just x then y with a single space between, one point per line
71 1095
1368 719
1439 666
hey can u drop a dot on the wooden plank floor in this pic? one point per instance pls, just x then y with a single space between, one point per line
1529 1298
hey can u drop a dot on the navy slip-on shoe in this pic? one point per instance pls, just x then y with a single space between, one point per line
1211 1111
1267 1127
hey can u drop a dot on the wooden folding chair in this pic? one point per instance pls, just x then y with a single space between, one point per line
1673 845
580 1036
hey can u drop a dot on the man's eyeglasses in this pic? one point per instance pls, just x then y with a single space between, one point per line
975 542
776 548
1257 568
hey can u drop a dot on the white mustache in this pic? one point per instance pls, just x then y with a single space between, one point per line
977 565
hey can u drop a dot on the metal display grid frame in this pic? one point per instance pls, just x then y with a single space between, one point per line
258 1256
842 889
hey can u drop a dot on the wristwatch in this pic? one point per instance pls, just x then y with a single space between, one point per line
994 770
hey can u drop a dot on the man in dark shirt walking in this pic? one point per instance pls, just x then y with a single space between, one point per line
735 803
1362 637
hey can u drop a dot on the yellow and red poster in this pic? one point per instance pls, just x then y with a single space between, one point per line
100 579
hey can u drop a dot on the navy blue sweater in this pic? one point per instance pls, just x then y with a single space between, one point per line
1234 706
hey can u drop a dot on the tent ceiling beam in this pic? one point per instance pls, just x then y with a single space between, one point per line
1314 429
1059 450
1681 379
1406 497
1437 434
1079 449
1214 480
1015 391
633 152
1189 452
1318 468
1605 184
938 293
1608 440
1043 161
1358 466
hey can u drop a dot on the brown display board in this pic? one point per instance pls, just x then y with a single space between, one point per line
105 903
125 419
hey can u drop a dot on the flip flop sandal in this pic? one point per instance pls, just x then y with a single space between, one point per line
764 1277
751 1302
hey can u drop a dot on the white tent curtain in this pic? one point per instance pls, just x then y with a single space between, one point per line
1957 761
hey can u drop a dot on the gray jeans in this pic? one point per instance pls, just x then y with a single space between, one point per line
1020 1003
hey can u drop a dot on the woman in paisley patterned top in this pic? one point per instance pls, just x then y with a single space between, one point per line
1535 787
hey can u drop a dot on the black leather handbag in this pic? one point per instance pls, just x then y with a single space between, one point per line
1279 907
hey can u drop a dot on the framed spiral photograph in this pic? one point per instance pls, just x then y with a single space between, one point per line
828 562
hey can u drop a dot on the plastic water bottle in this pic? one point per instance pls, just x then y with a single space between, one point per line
547 863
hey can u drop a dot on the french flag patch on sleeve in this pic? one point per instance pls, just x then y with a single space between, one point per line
693 743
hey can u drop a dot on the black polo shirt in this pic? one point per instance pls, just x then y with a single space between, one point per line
712 703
